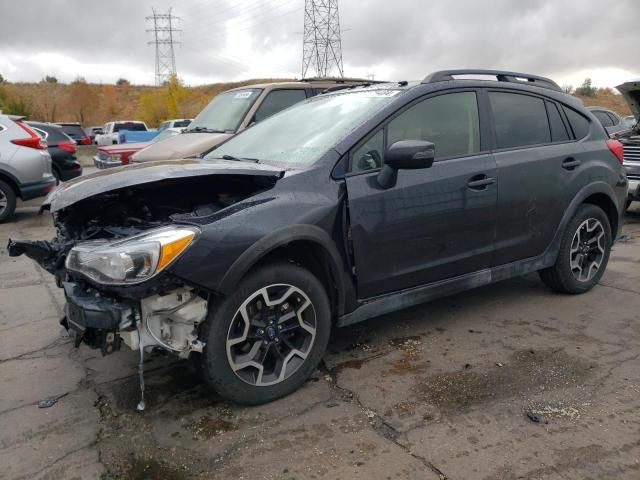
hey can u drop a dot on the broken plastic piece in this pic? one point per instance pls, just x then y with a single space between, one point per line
141 404
47 402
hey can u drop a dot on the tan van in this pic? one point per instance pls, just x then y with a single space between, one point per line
234 110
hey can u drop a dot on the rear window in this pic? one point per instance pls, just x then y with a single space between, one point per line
579 123
74 131
520 120
131 126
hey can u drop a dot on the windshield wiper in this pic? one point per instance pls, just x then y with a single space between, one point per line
231 157
202 130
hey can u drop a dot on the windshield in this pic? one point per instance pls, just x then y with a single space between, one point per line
225 112
165 134
301 134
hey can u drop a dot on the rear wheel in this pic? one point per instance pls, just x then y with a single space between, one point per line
267 338
584 252
7 201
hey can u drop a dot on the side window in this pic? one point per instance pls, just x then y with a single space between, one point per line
369 155
614 119
579 124
520 120
558 130
278 100
449 121
603 118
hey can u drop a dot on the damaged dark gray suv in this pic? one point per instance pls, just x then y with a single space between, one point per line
350 205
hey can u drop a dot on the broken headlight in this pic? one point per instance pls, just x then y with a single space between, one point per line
132 260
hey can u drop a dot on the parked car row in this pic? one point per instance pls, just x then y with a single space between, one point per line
329 211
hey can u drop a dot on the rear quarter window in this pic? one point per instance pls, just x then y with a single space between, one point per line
579 123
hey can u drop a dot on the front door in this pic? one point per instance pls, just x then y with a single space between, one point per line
435 223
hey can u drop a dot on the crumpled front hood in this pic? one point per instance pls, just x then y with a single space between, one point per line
180 146
631 92
123 147
117 178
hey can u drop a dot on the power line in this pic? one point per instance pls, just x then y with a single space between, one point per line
321 45
164 41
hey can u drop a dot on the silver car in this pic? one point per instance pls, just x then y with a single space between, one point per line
25 165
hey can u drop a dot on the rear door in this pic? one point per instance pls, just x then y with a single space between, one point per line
536 159
435 223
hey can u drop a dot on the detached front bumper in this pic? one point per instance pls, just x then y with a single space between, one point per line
96 320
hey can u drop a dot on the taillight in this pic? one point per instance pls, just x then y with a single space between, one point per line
85 140
124 157
616 148
34 140
67 146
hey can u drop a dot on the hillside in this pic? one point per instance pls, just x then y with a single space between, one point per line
95 104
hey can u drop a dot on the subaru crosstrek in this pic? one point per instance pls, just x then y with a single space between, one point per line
349 205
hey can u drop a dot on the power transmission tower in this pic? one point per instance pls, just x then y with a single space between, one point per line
322 46
164 33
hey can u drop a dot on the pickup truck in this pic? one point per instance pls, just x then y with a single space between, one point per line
134 136
110 131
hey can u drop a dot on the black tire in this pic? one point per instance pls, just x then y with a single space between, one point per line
215 367
7 202
560 277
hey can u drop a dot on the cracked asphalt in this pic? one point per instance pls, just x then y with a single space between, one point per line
510 381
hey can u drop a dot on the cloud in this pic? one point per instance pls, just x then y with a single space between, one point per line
403 39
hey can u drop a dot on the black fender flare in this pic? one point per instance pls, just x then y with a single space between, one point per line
278 239
602 188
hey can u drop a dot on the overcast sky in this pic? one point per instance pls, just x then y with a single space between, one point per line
224 40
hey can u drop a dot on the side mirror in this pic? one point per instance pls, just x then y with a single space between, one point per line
405 155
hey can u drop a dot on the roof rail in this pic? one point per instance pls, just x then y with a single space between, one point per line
339 80
501 76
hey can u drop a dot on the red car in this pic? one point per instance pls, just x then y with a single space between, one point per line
115 155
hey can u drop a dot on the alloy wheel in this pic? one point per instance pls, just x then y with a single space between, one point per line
587 249
271 335
3 202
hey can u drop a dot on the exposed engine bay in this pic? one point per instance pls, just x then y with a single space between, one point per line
160 310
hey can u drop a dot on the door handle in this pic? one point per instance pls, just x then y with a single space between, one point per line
480 182
570 163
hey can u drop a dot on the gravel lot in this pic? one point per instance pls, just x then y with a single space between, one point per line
509 381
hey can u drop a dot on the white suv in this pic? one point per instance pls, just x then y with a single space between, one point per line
25 165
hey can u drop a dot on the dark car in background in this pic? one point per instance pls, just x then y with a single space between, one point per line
609 119
62 149
76 133
346 206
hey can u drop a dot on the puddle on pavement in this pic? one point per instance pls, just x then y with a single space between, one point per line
526 372
207 427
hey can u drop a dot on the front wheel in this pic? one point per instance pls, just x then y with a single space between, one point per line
7 201
267 338
584 252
